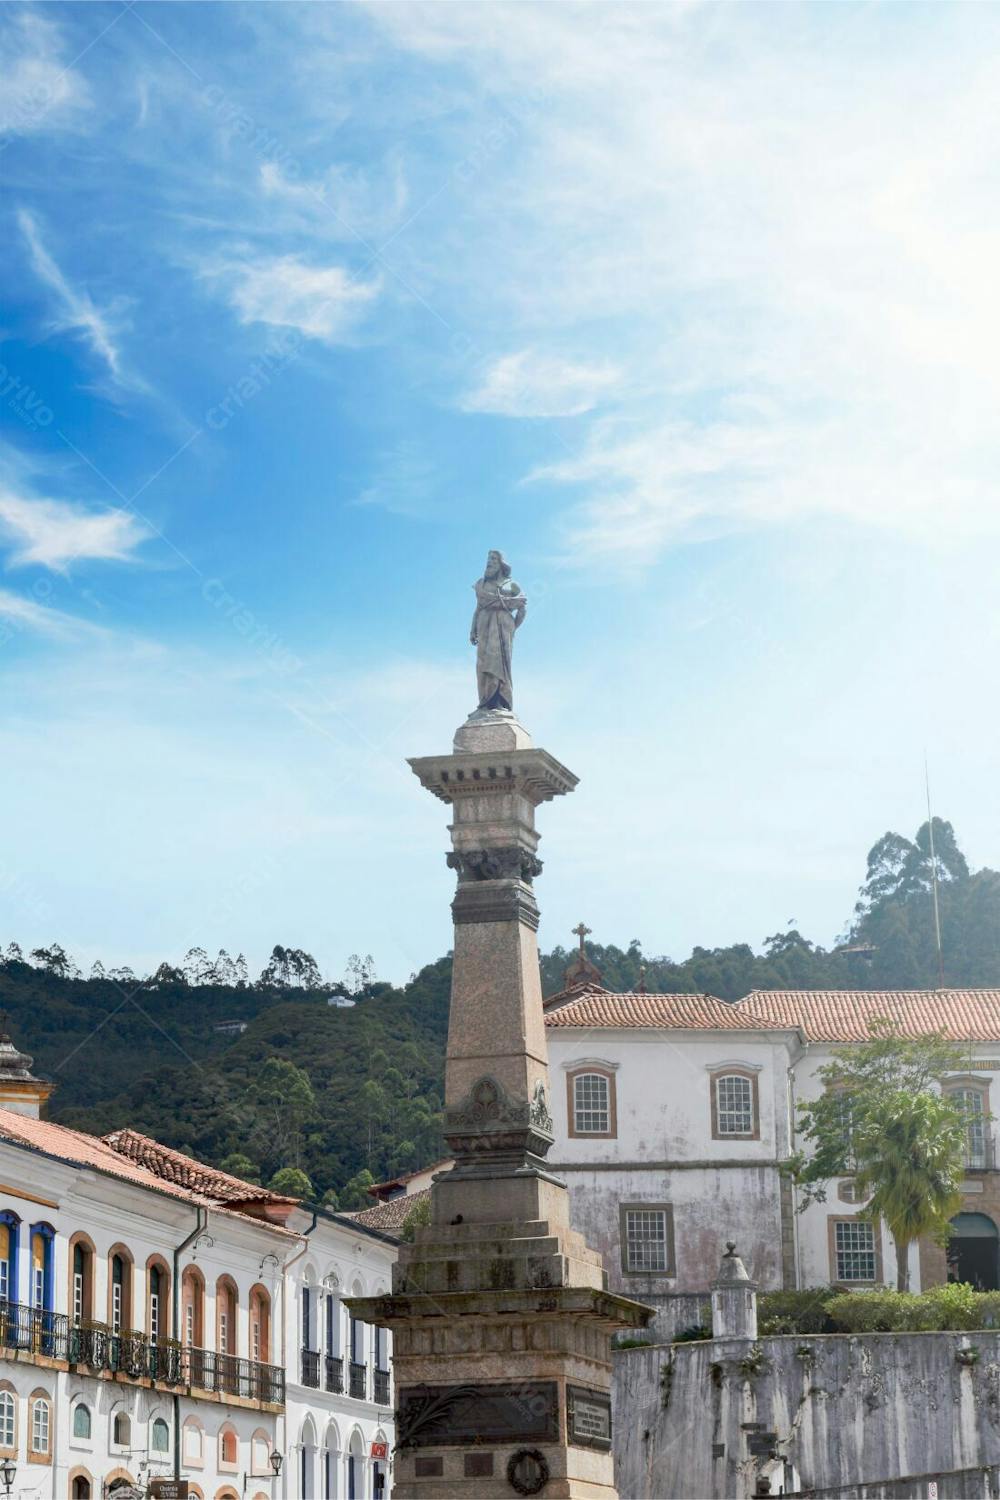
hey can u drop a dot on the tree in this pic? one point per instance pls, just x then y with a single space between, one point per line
238 1165
354 1193
292 1182
419 1214
167 974
56 961
883 1120
281 1099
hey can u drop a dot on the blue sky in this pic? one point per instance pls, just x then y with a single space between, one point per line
690 309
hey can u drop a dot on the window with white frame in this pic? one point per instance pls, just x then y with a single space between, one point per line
8 1419
591 1104
854 1250
647 1239
734 1104
971 1102
40 1417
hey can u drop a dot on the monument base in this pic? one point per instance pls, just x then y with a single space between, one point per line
516 1318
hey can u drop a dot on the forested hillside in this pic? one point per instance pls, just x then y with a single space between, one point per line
348 1093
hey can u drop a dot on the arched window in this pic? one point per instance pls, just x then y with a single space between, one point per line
81 1279
228 1447
42 1237
122 1430
81 1421
10 1226
8 1420
735 1107
260 1453
225 1316
592 1100
41 1424
157 1314
159 1438
117 1292
192 1308
308 1312
81 1488
260 1325
194 1442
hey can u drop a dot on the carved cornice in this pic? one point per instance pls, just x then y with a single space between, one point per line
533 774
510 862
494 901
489 1121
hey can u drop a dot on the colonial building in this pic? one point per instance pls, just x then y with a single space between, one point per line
673 1114
161 1319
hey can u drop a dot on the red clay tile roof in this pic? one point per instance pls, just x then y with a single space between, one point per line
90 1151
821 1015
391 1215
599 1007
173 1166
843 1015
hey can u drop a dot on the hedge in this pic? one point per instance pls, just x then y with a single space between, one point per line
955 1306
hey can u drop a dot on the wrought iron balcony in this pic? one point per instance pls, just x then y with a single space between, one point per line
382 1387
137 1357
230 1375
32 1329
359 1380
980 1151
334 1374
310 1368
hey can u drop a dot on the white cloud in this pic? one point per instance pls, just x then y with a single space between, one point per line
76 313
38 91
349 203
789 242
53 533
322 302
530 384
20 614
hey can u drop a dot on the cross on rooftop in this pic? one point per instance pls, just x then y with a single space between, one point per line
581 931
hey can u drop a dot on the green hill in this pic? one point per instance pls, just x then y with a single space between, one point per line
343 1091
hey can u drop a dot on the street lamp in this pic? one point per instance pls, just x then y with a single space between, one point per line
276 1459
7 1471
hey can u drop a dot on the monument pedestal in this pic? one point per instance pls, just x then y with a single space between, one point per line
500 1316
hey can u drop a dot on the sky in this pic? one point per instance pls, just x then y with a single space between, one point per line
691 309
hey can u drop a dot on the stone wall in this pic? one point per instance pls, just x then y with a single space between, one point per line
868 1416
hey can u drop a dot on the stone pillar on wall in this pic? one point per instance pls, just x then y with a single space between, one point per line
734 1299
501 1320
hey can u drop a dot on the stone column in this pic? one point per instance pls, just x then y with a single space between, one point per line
502 1325
734 1299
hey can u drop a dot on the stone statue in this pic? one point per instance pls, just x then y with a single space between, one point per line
500 608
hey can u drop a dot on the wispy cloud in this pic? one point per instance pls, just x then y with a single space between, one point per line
21 614
322 302
54 533
530 384
38 89
75 311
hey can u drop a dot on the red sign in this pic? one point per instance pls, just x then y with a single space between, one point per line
380 1450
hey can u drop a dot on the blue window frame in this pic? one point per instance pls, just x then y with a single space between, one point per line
10 1230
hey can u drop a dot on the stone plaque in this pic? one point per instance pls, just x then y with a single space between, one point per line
429 1468
455 1415
589 1414
478 1465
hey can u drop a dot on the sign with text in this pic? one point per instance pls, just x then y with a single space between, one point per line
168 1489
380 1450
438 1415
589 1414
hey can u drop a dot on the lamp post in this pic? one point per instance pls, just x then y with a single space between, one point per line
276 1459
7 1471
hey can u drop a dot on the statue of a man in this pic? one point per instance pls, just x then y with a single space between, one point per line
500 608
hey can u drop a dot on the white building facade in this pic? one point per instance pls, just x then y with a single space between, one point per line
155 1318
674 1113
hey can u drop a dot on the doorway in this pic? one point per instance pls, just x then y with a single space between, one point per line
974 1252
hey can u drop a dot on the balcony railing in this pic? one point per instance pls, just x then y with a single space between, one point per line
980 1151
33 1329
382 1387
334 1374
359 1381
310 1368
136 1356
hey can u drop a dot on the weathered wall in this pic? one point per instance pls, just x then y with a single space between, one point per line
845 1414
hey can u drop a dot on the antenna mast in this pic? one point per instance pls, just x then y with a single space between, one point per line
934 875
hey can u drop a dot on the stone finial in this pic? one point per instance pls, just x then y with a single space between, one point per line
20 1090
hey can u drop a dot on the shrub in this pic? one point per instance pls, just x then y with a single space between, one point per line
795 1312
693 1334
955 1306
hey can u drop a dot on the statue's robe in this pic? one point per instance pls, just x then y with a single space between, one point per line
497 606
